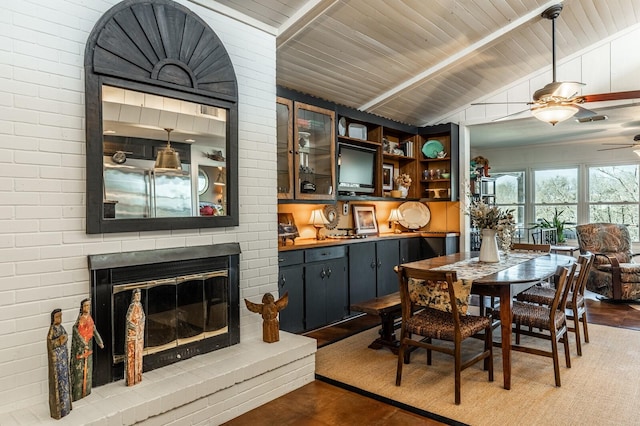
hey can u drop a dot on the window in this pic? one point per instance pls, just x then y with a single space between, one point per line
556 190
613 196
510 193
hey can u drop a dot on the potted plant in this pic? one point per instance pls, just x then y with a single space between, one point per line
555 223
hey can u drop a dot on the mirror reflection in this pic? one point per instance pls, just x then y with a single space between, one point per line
162 157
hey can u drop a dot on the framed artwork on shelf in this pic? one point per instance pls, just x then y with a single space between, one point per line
387 177
364 219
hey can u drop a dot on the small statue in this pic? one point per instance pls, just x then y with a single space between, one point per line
269 310
84 331
134 337
58 355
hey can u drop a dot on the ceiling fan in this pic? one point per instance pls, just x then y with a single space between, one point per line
559 100
635 145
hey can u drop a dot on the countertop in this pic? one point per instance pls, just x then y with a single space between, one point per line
303 243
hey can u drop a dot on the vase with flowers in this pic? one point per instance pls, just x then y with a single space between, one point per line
403 181
494 224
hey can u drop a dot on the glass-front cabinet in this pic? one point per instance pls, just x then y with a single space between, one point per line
284 112
306 160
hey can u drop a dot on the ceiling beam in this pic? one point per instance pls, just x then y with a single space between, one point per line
305 16
458 57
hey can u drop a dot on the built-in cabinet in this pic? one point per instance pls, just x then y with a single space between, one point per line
371 271
306 151
307 140
326 286
323 282
290 281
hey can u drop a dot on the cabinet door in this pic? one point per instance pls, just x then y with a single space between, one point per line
336 289
315 296
388 256
314 145
284 146
410 250
362 272
291 281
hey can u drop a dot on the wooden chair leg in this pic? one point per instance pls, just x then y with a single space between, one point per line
583 318
576 329
458 369
567 354
403 346
554 355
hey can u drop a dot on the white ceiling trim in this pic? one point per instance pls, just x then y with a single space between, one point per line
235 15
460 56
305 16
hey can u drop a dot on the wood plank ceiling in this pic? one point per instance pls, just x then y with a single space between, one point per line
418 61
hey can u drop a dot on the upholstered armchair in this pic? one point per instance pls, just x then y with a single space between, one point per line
613 273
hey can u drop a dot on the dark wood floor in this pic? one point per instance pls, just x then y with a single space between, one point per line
319 403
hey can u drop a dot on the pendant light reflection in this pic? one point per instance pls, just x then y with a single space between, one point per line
168 158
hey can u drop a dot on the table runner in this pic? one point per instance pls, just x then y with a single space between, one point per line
471 269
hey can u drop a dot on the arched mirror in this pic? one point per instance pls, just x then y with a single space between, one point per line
162 139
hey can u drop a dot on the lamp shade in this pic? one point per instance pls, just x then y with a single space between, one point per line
220 181
318 218
395 215
168 158
637 151
554 113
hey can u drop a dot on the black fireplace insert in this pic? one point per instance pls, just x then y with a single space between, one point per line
190 297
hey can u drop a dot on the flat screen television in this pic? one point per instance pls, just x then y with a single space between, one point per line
356 169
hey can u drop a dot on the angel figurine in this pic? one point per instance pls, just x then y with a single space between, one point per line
269 309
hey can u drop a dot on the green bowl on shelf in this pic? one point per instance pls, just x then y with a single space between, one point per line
445 175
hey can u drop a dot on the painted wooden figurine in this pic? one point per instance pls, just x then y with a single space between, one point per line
269 310
58 355
84 331
134 340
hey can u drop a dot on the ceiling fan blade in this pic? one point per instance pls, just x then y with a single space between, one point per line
625 144
501 103
618 147
511 115
613 96
584 113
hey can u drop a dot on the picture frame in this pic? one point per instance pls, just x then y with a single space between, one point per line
387 177
364 219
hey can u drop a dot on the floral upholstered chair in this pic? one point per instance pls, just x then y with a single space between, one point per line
613 272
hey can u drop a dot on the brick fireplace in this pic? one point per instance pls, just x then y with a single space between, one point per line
190 297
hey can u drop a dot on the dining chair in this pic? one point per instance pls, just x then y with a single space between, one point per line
576 309
550 320
515 247
427 311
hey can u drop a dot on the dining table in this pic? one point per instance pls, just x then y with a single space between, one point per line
504 279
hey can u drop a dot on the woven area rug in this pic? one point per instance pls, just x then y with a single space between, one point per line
601 388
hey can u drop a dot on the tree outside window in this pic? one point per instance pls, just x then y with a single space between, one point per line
613 196
556 192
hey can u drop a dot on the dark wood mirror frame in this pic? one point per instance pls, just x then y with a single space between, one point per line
157 47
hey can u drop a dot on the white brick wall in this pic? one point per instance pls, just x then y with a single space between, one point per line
43 244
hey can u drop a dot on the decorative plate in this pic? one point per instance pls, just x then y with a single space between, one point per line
342 126
431 148
331 214
415 215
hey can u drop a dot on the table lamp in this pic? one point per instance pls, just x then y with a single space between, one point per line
394 217
318 220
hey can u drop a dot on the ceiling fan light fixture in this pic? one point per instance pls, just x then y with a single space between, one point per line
554 113
637 151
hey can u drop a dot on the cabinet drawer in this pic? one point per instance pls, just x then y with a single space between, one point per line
319 254
294 257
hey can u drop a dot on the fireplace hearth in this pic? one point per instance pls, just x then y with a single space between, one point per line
190 297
